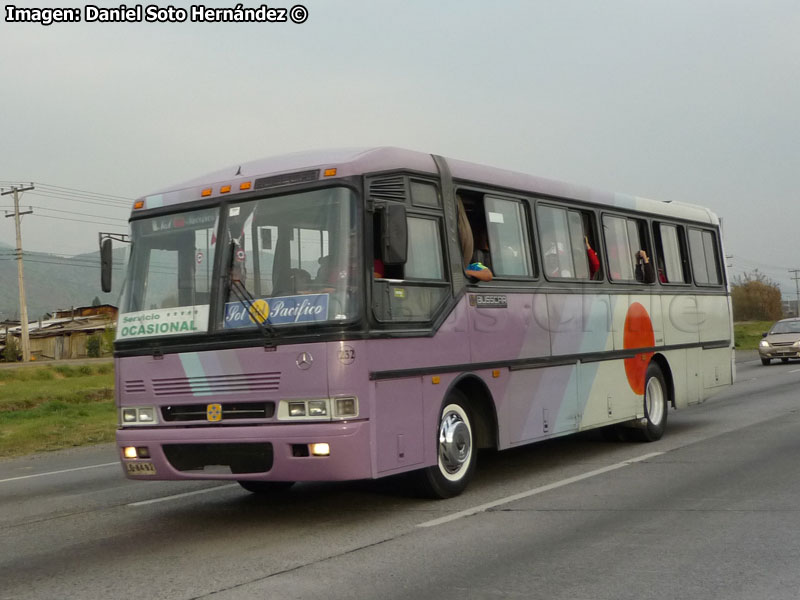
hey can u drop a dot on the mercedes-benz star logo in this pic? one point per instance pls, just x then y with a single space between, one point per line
304 361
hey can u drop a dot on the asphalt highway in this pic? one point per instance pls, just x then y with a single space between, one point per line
709 511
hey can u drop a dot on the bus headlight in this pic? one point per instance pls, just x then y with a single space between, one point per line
318 409
138 415
297 409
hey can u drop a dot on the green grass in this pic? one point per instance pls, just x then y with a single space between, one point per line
46 408
747 334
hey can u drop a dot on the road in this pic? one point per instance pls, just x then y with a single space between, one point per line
710 511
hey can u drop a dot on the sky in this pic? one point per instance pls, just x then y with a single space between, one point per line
684 100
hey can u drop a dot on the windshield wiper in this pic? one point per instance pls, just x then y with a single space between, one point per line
244 296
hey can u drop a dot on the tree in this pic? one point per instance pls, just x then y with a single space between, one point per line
755 297
96 301
11 352
94 345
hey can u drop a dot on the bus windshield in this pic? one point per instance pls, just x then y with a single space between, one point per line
286 260
169 275
291 260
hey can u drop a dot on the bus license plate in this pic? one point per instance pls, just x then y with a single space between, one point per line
140 468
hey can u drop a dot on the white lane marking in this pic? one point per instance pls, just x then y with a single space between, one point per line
545 488
184 495
795 371
59 472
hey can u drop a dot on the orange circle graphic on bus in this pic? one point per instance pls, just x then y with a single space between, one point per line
638 333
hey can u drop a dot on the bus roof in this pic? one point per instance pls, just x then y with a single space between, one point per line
358 161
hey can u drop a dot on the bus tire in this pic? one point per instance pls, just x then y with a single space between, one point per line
456 451
655 405
266 487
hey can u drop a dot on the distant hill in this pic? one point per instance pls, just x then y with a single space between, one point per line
54 282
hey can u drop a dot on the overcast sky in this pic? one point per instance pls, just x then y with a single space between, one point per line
686 100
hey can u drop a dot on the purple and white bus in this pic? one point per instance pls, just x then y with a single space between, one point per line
308 317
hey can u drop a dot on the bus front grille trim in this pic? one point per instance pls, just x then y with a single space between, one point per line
230 411
217 384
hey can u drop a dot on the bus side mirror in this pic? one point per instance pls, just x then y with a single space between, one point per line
394 235
106 259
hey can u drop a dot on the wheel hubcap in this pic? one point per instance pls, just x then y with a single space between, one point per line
454 442
654 401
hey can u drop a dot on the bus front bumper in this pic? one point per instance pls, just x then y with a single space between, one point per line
254 453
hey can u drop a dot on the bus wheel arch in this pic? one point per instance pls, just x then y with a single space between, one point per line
483 409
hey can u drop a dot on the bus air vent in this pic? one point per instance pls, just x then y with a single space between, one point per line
388 188
286 179
217 384
134 386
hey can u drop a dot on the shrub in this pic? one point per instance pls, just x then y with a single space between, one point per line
94 345
11 352
108 336
43 374
104 368
755 297
66 371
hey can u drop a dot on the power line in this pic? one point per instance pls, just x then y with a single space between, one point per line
77 220
71 212
121 199
58 189
94 202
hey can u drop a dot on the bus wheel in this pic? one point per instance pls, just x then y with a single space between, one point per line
266 487
456 451
655 405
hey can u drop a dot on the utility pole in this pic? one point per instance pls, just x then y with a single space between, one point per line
23 307
797 287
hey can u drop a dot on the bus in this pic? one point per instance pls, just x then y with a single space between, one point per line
310 317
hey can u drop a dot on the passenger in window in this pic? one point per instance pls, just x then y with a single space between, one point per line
644 268
477 267
325 270
594 262
473 265
377 268
662 277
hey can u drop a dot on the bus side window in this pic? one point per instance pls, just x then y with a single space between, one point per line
705 257
424 250
626 239
567 249
508 238
671 250
416 290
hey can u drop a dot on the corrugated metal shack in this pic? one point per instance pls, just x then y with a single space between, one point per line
65 336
